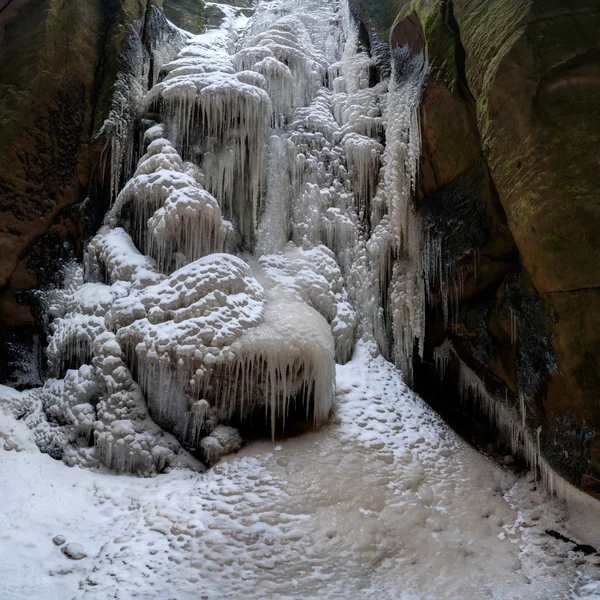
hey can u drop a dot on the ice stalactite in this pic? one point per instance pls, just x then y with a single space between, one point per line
135 62
127 440
119 128
444 277
279 83
167 210
220 119
363 155
280 366
395 245
514 430
442 355
275 225
455 225
507 419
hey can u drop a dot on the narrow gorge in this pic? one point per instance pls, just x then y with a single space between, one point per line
238 239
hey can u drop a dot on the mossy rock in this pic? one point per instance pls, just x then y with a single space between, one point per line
538 102
532 71
189 15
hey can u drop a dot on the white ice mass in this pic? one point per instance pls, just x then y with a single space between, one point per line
266 234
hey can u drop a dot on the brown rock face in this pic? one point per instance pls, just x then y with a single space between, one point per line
187 14
59 61
46 102
510 129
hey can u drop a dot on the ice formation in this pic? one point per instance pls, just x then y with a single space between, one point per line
277 130
268 225
168 213
219 118
312 274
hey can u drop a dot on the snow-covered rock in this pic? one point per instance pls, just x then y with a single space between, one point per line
73 551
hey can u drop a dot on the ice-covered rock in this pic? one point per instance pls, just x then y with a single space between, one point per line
166 209
312 274
223 440
209 333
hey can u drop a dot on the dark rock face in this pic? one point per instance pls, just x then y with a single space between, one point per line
59 62
509 188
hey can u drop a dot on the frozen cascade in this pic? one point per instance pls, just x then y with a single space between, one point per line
267 138
274 126
406 303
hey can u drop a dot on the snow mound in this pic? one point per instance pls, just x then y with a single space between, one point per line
312 274
166 210
208 333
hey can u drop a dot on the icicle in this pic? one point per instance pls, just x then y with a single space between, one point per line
441 356
513 326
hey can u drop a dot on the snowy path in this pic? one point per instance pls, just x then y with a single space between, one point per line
386 502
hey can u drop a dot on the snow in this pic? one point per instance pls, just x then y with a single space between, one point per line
166 209
313 275
383 502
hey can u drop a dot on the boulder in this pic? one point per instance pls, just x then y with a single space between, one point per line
73 551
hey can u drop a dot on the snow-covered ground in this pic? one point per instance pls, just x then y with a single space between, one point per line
384 502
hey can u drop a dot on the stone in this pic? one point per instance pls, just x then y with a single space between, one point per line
74 551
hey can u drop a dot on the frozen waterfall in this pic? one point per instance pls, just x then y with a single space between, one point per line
261 271
268 225
238 262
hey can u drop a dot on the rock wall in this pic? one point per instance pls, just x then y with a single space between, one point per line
59 62
508 195
187 14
